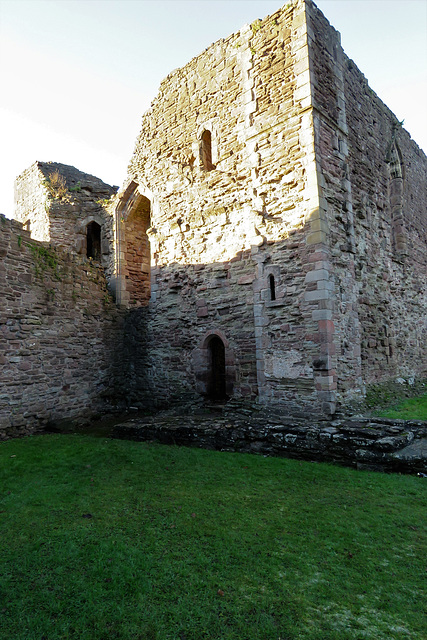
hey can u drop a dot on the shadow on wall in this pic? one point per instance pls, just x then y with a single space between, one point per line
262 323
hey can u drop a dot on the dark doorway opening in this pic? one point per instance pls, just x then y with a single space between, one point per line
216 383
93 241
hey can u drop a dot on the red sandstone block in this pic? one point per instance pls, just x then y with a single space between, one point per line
202 312
326 325
318 255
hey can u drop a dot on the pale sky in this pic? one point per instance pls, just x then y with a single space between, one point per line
77 75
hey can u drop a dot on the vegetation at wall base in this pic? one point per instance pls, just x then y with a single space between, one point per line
108 539
410 409
386 395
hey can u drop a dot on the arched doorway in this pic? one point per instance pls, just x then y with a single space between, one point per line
93 241
216 374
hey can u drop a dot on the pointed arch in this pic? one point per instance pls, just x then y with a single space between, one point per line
133 219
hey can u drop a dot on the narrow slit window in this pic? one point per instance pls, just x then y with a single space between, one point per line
272 287
206 150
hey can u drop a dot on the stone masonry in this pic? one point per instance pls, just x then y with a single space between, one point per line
268 247
287 216
56 203
58 333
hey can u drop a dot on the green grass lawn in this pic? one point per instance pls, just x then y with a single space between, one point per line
104 539
410 409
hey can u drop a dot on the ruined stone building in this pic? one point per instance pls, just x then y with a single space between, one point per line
267 248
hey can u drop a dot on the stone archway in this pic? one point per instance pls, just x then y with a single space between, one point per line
133 218
214 367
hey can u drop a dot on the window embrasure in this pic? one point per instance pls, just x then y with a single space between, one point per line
206 150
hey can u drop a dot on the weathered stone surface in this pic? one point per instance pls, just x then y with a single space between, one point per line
58 333
56 203
414 454
358 443
287 245
268 246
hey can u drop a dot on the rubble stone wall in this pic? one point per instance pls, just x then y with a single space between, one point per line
58 333
60 211
310 186
31 206
375 444
268 243
373 177
220 231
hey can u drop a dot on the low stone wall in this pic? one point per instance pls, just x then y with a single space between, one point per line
376 444
58 331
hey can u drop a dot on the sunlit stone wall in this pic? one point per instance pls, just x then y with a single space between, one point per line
285 217
268 245
56 202
233 238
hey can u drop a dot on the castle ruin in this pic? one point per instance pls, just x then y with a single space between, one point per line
268 246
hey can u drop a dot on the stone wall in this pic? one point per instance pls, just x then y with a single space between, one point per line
57 202
222 229
375 444
372 178
58 334
268 245
285 219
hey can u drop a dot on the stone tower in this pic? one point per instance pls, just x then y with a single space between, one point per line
270 232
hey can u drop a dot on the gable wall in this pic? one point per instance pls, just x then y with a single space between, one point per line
62 218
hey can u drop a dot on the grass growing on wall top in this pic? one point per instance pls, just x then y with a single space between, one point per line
56 185
105 539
